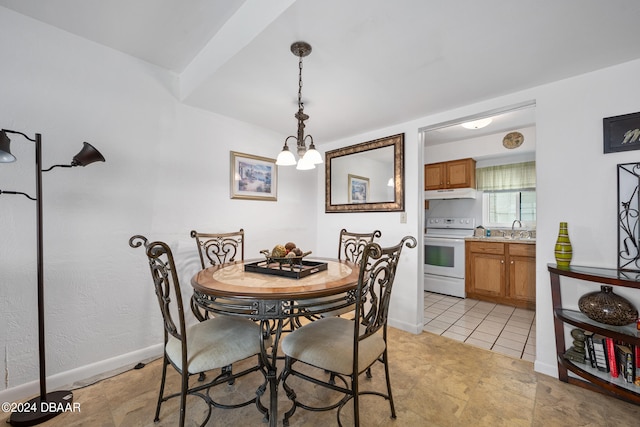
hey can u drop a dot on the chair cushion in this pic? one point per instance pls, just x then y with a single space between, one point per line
328 344
215 343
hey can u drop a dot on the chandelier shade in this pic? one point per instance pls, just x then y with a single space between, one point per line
307 158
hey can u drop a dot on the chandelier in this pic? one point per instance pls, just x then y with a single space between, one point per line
307 158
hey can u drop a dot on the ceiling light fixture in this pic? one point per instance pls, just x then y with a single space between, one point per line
308 159
477 124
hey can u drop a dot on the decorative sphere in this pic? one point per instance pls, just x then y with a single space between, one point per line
279 251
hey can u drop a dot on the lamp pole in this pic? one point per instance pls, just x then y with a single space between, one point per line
40 260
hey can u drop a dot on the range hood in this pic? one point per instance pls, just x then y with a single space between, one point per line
454 193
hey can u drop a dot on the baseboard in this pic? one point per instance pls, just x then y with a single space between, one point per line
407 327
84 375
545 368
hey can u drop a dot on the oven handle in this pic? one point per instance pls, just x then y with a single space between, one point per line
442 240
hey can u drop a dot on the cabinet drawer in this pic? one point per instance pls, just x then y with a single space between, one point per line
487 247
522 249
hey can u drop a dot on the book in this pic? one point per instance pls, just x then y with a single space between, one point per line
611 357
626 362
590 351
602 362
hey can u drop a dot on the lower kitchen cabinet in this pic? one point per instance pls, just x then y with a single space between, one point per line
501 272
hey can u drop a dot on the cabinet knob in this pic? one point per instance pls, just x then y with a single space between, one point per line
511 262
501 261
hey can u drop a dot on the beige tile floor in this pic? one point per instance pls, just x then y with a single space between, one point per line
500 328
437 381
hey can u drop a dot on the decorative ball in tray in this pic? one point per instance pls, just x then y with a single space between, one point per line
285 254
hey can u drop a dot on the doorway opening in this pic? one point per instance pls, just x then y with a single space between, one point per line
493 322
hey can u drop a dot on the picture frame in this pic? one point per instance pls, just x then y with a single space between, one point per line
253 177
621 133
380 160
358 188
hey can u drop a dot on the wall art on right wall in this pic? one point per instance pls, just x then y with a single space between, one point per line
621 133
628 210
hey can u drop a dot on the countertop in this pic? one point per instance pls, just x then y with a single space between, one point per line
501 239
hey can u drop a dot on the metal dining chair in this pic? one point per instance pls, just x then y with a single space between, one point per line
212 344
350 248
219 248
351 245
347 347
215 249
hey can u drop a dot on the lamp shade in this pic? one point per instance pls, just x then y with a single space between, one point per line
5 151
312 155
87 155
285 158
305 164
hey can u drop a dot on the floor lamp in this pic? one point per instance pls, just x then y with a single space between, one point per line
47 405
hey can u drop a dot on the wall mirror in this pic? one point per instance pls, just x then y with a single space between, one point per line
366 177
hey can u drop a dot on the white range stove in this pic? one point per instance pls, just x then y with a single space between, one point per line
444 262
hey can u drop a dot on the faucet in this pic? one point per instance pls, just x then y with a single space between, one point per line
513 224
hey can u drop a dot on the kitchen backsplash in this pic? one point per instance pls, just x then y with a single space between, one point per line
455 208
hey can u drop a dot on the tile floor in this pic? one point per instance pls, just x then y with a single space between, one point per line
507 330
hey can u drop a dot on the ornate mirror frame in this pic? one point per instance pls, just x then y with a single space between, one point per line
395 141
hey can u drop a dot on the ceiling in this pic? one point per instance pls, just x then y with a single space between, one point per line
374 63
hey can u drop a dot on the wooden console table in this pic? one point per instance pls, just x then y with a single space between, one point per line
587 376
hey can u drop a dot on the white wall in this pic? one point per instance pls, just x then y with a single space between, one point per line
166 173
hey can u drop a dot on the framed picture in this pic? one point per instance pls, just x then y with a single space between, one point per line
358 189
621 133
253 177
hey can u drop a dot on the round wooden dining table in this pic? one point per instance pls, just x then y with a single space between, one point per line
275 300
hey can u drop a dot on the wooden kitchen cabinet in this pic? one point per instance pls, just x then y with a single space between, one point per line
501 272
454 174
522 273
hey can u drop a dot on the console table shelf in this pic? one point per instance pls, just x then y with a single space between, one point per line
589 377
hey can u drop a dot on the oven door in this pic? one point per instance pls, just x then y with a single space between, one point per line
444 256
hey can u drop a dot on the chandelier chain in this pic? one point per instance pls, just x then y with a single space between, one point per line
300 105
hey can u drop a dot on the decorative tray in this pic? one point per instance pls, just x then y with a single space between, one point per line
296 270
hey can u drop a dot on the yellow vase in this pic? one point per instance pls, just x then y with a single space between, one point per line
563 249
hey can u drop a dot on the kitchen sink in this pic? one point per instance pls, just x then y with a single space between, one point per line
517 235
507 234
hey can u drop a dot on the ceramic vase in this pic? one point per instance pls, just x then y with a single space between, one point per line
606 307
563 249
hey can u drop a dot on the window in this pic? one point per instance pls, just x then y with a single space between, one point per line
500 209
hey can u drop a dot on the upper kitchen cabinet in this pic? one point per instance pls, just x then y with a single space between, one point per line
454 174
